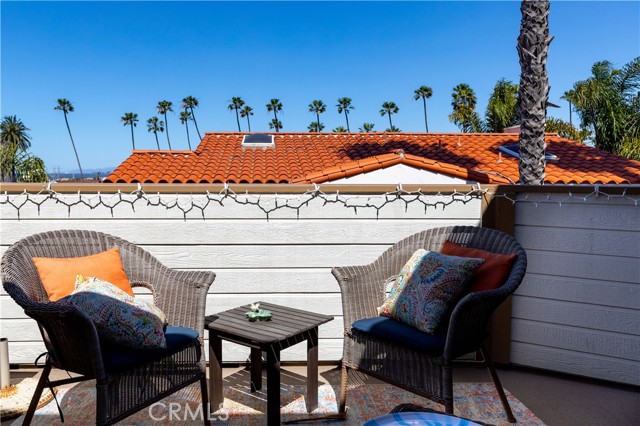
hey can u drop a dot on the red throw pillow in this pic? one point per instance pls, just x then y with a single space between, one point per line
493 272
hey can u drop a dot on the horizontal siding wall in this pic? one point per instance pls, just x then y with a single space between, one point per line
578 308
285 257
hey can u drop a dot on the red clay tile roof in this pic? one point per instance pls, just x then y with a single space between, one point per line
323 157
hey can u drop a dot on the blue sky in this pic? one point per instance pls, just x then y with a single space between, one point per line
109 58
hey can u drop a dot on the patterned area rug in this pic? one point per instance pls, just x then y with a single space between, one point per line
476 401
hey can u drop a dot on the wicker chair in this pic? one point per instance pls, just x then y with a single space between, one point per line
423 372
71 339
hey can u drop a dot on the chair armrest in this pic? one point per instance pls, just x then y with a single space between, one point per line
182 296
362 290
469 321
68 334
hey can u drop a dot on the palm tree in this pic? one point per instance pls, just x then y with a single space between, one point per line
344 105
340 129
235 104
317 107
464 104
155 125
275 105
14 139
14 132
567 97
246 112
163 108
316 127
275 124
533 47
130 119
424 93
185 116
502 109
66 107
392 129
389 108
190 102
366 127
608 103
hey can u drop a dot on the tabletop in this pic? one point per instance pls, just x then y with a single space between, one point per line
285 323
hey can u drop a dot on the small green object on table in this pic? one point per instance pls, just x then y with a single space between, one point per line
257 314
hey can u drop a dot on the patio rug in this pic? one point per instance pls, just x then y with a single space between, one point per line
476 401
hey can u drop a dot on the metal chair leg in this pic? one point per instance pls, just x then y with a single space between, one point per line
496 382
37 394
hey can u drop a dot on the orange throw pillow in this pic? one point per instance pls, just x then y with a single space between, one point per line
58 275
493 272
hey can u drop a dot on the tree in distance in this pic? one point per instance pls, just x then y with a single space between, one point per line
389 108
155 125
66 107
275 124
424 93
464 113
190 103
315 127
185 116
276 106
246 111
130 119
344 105
367 127
234 105
163 108
16 164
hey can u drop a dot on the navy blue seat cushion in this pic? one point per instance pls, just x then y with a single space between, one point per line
117 357
391 330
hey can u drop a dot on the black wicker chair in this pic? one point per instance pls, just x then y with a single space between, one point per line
71 339
423 372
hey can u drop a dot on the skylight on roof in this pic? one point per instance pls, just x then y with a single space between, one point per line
513 151
258 140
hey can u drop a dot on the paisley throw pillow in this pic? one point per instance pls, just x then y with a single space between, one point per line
118 317
427 288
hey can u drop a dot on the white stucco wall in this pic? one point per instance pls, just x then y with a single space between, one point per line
578 308
285 259
401 173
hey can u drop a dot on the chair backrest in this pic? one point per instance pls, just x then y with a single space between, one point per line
18 266
486 239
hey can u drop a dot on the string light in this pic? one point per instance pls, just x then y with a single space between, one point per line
271 204
268 205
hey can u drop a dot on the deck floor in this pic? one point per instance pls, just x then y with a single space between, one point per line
556 399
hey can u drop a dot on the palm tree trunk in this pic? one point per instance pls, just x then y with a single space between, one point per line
186 126
74 145
533 47
195 122
133 142
346 116
424 102
166 124
570 118
238 119
317 122
248 122
390 124
157 143
276 118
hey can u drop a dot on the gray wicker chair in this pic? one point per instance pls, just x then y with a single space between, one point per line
426 373
71 339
